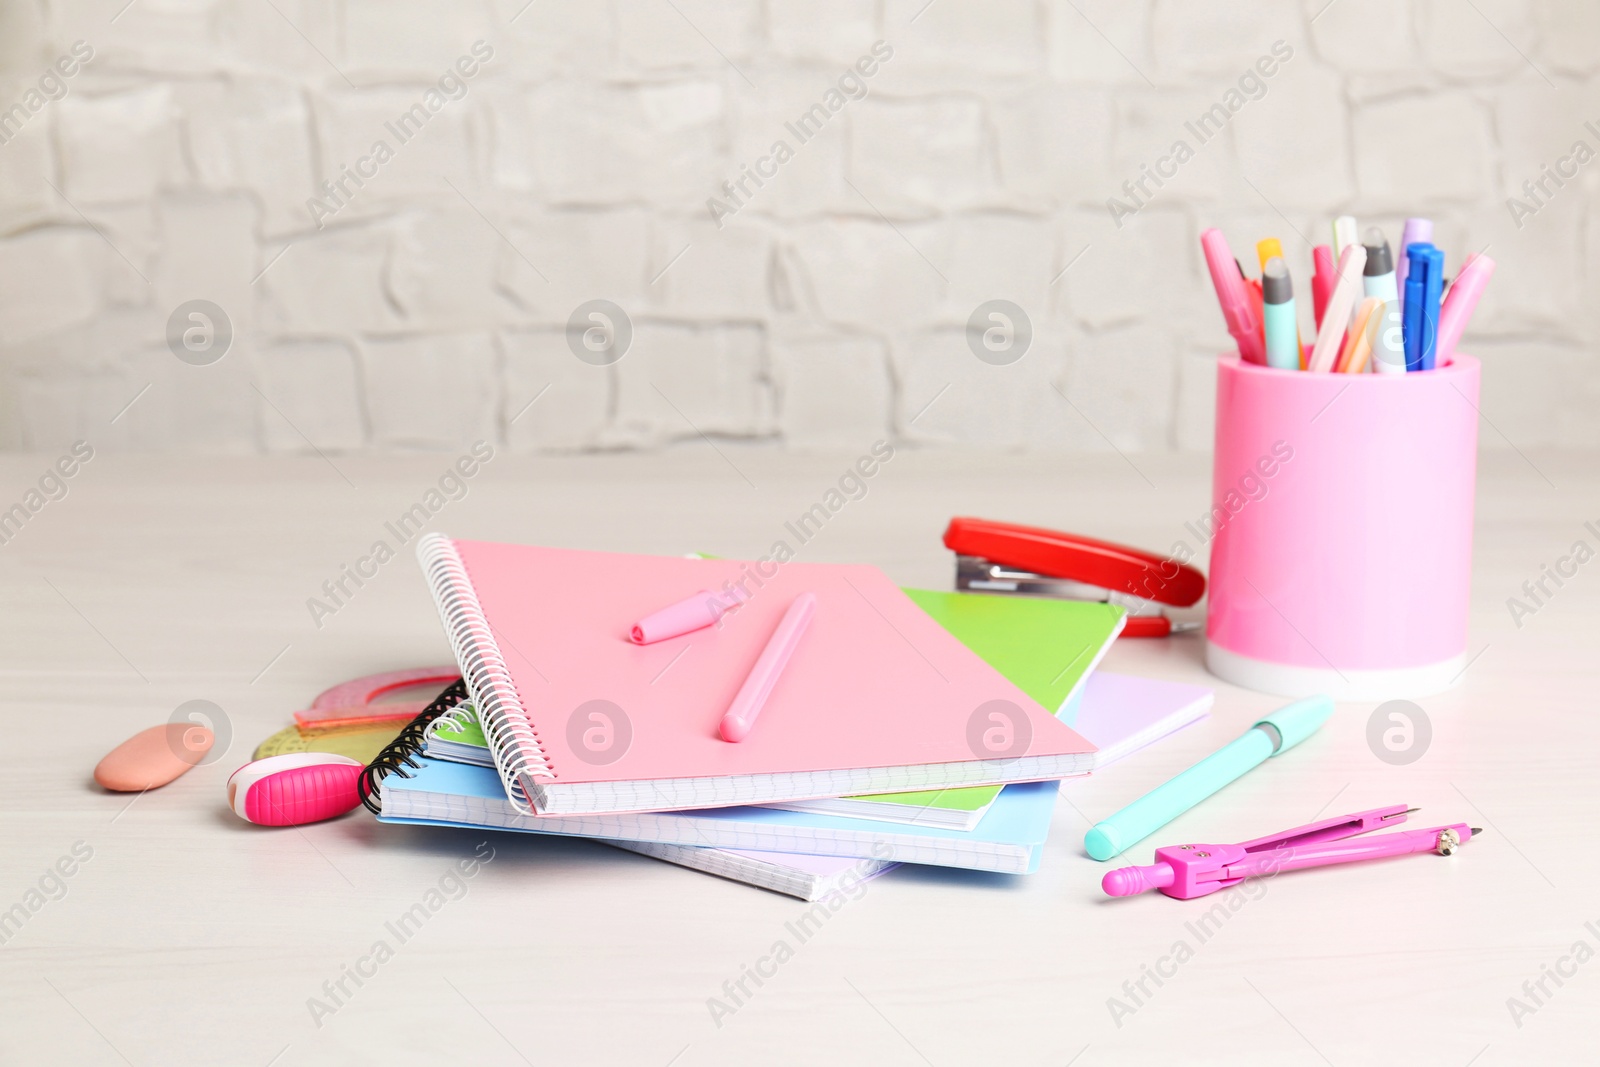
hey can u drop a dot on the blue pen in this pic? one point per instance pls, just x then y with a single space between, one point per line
1414 304
1433 290
1411 320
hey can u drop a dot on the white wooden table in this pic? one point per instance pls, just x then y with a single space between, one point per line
188 936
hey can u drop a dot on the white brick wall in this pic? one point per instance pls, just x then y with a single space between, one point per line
829 309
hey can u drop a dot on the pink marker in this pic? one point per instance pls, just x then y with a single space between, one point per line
1459 304
1239 309
1336 316
1188 871
1321 281
687 615
752 695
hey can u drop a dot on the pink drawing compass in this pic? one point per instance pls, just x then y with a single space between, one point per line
1188 871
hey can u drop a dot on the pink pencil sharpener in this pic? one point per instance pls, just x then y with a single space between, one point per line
296 788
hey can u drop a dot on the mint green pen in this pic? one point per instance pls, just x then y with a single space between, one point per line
1279 324
1278 732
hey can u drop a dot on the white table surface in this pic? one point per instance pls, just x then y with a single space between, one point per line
192 937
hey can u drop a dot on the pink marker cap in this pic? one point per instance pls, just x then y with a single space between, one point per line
763 677
687 615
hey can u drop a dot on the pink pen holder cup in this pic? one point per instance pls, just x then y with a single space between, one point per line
1341 557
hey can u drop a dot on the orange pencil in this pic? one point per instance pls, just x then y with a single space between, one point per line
1363 331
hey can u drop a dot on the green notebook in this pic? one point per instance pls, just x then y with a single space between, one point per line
458 730
1046 647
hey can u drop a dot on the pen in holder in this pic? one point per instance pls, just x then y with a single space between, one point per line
1342 509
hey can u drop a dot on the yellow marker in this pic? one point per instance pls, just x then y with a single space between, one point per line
1267 248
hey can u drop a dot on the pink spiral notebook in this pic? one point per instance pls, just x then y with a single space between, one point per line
877 698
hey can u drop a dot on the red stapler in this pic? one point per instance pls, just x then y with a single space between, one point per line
999 557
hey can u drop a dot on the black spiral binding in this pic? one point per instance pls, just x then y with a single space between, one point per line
396 755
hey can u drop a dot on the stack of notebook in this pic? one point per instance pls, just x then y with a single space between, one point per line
910 726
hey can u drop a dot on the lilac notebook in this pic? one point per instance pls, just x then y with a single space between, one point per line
798 875
1120 713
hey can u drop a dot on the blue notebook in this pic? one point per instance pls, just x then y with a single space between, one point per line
1009 839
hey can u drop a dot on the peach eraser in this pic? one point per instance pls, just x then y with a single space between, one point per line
153 757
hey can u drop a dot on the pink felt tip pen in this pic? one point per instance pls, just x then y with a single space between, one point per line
1239 309
691 613
1459 303
759 683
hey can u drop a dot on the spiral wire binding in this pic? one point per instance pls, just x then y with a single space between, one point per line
513 740
397 754
454 719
